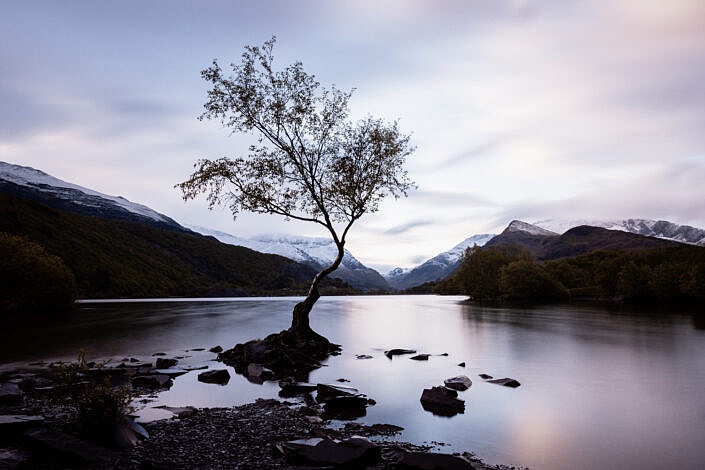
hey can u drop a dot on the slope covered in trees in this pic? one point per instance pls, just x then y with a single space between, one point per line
670 274
119 259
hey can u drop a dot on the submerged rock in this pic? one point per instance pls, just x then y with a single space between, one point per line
462 364
349 453
398 352
363 356
442 401
485 376
216 376
507 382
420 357
461 382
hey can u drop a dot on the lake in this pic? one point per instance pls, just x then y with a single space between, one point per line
600 387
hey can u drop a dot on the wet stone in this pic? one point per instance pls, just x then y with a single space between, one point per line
442 401
163 363
420 357
216 376
485 376
398 352
507 382
461 382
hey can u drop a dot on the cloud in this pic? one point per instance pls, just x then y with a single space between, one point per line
405 227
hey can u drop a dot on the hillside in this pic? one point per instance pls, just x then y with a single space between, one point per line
115 258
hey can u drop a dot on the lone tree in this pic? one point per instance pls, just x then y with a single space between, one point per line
311 162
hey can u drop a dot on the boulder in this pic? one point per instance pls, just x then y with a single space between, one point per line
398 352
215 376
485 376
69 447
431 461
507 382
350 453
258 371
163 363
420 357
442 401
152 381
10 393
460 382
216 349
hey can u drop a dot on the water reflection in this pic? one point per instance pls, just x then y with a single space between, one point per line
601 387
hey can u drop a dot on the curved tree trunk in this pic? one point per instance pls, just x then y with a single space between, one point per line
300 324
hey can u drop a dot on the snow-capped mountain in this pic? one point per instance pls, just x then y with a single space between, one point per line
314 252
531 229
650 228
438 267
30 183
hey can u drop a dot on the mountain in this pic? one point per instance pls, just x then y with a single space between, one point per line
547 245
438 267
118 258
520 233
649 228
29 183
314 252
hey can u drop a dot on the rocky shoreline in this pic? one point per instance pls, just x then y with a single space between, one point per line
297 432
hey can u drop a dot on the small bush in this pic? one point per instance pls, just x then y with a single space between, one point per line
96 406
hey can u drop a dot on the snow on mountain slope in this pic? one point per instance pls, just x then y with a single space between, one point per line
315 252
437 267
647 227
519 226
27 176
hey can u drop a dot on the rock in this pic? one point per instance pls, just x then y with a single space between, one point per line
216 349
163 363
159 354
258 371
363 356
327 391
442 401
420 357
462 364
170 372
69 447
350 453
398 352
10 393
11 457
216 376
431 461
485 376
291 389
127 433
197 349
461 382
137 364
443 354
179 411
10 424
152 381
507 382
346 407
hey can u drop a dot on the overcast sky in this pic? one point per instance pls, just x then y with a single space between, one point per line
519 109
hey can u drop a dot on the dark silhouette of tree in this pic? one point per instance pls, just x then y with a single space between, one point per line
311 163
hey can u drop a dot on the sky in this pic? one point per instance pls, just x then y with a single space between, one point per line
519 109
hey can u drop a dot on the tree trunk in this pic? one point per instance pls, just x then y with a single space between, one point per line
300 326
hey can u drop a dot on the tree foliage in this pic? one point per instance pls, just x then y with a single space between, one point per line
311 162
32 280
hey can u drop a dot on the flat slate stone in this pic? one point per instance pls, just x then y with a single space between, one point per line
507 382
432 461
170 372
461 382
69 447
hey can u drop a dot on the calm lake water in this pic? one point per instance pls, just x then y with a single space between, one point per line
600 388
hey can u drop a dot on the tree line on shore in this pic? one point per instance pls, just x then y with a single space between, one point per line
672 274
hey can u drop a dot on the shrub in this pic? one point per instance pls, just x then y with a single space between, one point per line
525 279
